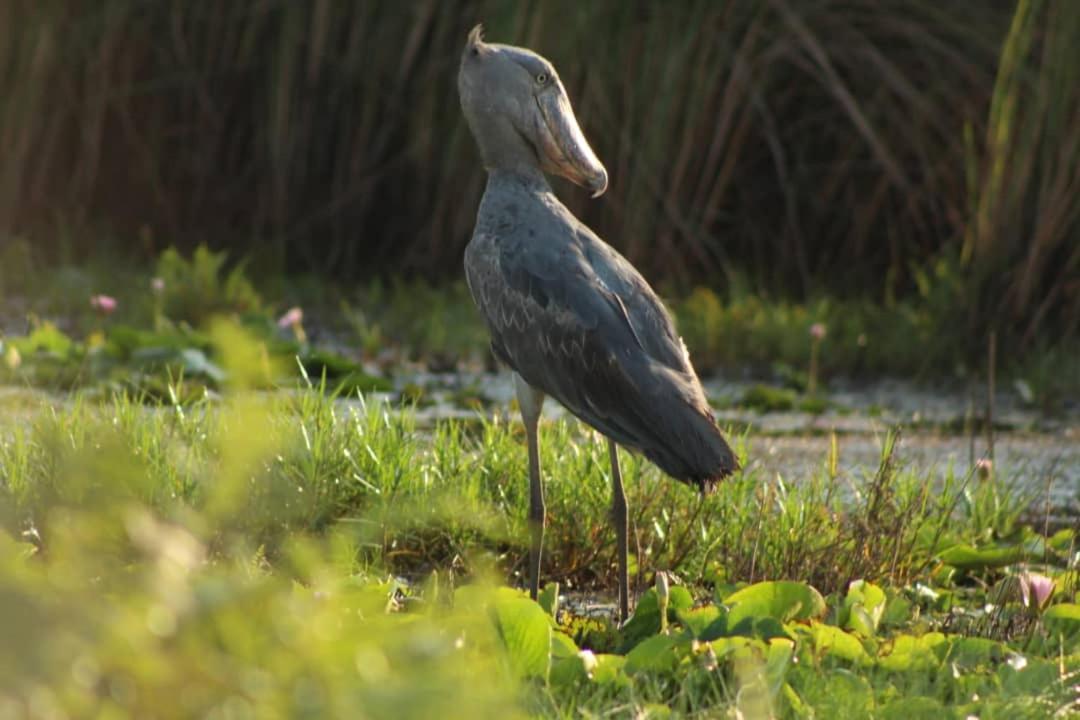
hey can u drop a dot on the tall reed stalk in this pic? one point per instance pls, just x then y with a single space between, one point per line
1022 243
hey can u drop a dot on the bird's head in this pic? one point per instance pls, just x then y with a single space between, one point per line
518 111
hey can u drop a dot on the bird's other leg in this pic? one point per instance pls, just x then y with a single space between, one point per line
531 400
622 529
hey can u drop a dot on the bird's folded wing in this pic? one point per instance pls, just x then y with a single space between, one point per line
568 334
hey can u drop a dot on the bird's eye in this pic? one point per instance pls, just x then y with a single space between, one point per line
541 78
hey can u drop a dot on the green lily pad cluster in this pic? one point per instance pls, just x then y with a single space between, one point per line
782 647
172 363
160 341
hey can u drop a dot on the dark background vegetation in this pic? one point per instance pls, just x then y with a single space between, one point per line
860 149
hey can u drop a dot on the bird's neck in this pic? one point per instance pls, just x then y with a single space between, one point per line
513 199
518 179
507 154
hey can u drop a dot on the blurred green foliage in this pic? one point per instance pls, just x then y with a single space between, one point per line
297 555
193 289
169 352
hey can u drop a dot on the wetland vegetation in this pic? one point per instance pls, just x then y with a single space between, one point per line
256 459
209 497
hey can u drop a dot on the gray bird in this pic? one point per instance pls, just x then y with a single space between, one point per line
569 314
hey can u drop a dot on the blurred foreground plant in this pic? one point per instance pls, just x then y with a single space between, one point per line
127 597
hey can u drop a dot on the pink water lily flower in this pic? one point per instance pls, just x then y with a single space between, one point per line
818 331
293 317
104 304
1036 590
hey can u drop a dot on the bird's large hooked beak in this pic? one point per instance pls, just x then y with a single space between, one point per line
563 148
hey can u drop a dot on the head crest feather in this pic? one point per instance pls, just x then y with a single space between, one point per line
476 38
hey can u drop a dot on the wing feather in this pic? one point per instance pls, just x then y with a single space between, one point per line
567 330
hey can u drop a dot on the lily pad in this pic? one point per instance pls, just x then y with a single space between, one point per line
562 645
863 608
46 338
610 670
909 652
783 600
525 631
831 641
656 654
645 621
705 623
549 599
777 661
971 652
569 664
1028 546
1063 618
725 646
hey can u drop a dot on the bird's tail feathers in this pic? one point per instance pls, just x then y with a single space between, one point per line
681 435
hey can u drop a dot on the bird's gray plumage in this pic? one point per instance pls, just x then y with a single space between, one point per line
571 316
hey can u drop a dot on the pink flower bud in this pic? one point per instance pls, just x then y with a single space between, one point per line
157 285
818 331
103 304
1036 590
293 317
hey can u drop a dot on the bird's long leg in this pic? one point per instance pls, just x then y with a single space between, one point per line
531 401
622 530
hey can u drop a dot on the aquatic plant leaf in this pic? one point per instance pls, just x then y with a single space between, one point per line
549 599
847 694
126 341
1063 618
777 661
1063 611
656 654
863 608
645 621
46 338
897 609
783 600
562 645
610 670
704 623
584 665
726 645
909 652
769 627
567 671
525 631
972 652
965 557
1030 677
1062 540
832 641
196 363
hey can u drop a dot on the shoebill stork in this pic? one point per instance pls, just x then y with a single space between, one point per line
570 315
